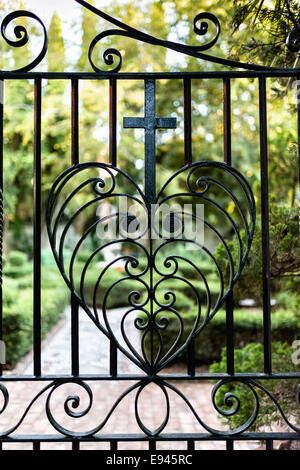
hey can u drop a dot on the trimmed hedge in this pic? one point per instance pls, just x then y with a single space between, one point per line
18 319
17 258
18 304
251 359
209 343
119 295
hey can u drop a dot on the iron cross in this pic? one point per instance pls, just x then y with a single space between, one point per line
150 123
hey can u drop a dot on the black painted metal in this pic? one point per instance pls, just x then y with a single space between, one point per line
102 180
75 161
150 123
1 207
113 121
265 225
227 159
188 150
37 227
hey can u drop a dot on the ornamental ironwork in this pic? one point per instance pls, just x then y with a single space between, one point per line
150 261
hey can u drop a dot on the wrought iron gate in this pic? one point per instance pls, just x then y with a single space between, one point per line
102 180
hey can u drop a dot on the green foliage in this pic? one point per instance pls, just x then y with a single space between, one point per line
267 27
17 258
248 327
251 359
159 18
17 272
88 27
284 255
84 255
18 304
119 295
56 52
17 319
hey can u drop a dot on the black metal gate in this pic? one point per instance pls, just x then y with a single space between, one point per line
102 180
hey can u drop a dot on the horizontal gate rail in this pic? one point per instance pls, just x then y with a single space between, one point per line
153 373
127 377
148 75
249 436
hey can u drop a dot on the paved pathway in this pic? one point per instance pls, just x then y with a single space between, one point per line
94 359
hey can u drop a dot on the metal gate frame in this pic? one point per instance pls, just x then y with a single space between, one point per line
241 70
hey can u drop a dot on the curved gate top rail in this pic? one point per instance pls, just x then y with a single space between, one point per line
203 23
199 180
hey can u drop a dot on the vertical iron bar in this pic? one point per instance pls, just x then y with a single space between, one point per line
187 161
190 445
75 120
75 161
269 444
37 228
227 160
113 121
187 121
298 109
191 357
1 206
152 445
76 445
113 356
264 181
36 445
113 446
150 149
229 445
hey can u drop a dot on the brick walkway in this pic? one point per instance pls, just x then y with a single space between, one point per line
94 357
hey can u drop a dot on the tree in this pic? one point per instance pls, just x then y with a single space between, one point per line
267 25
56 52
284 259
89 30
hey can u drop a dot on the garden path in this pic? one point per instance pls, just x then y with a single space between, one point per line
94 359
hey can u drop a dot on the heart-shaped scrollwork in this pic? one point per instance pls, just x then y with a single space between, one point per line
156 253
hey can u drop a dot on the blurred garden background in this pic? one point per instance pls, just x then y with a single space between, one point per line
251 30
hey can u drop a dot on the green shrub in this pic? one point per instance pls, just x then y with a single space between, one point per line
83 255
54 302
17 272
183 302
251 359
47 258
51 278
289 300
17 258
248 327
284 255
188 271
18 303
119 295
18 319
25 282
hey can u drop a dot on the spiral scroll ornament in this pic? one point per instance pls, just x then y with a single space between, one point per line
205 25
149 295
22 36
113 57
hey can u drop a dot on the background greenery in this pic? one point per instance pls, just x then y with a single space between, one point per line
251 30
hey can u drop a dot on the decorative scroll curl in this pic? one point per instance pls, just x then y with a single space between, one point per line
231 407
148 271
22 36
129 32
202 25
112 57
